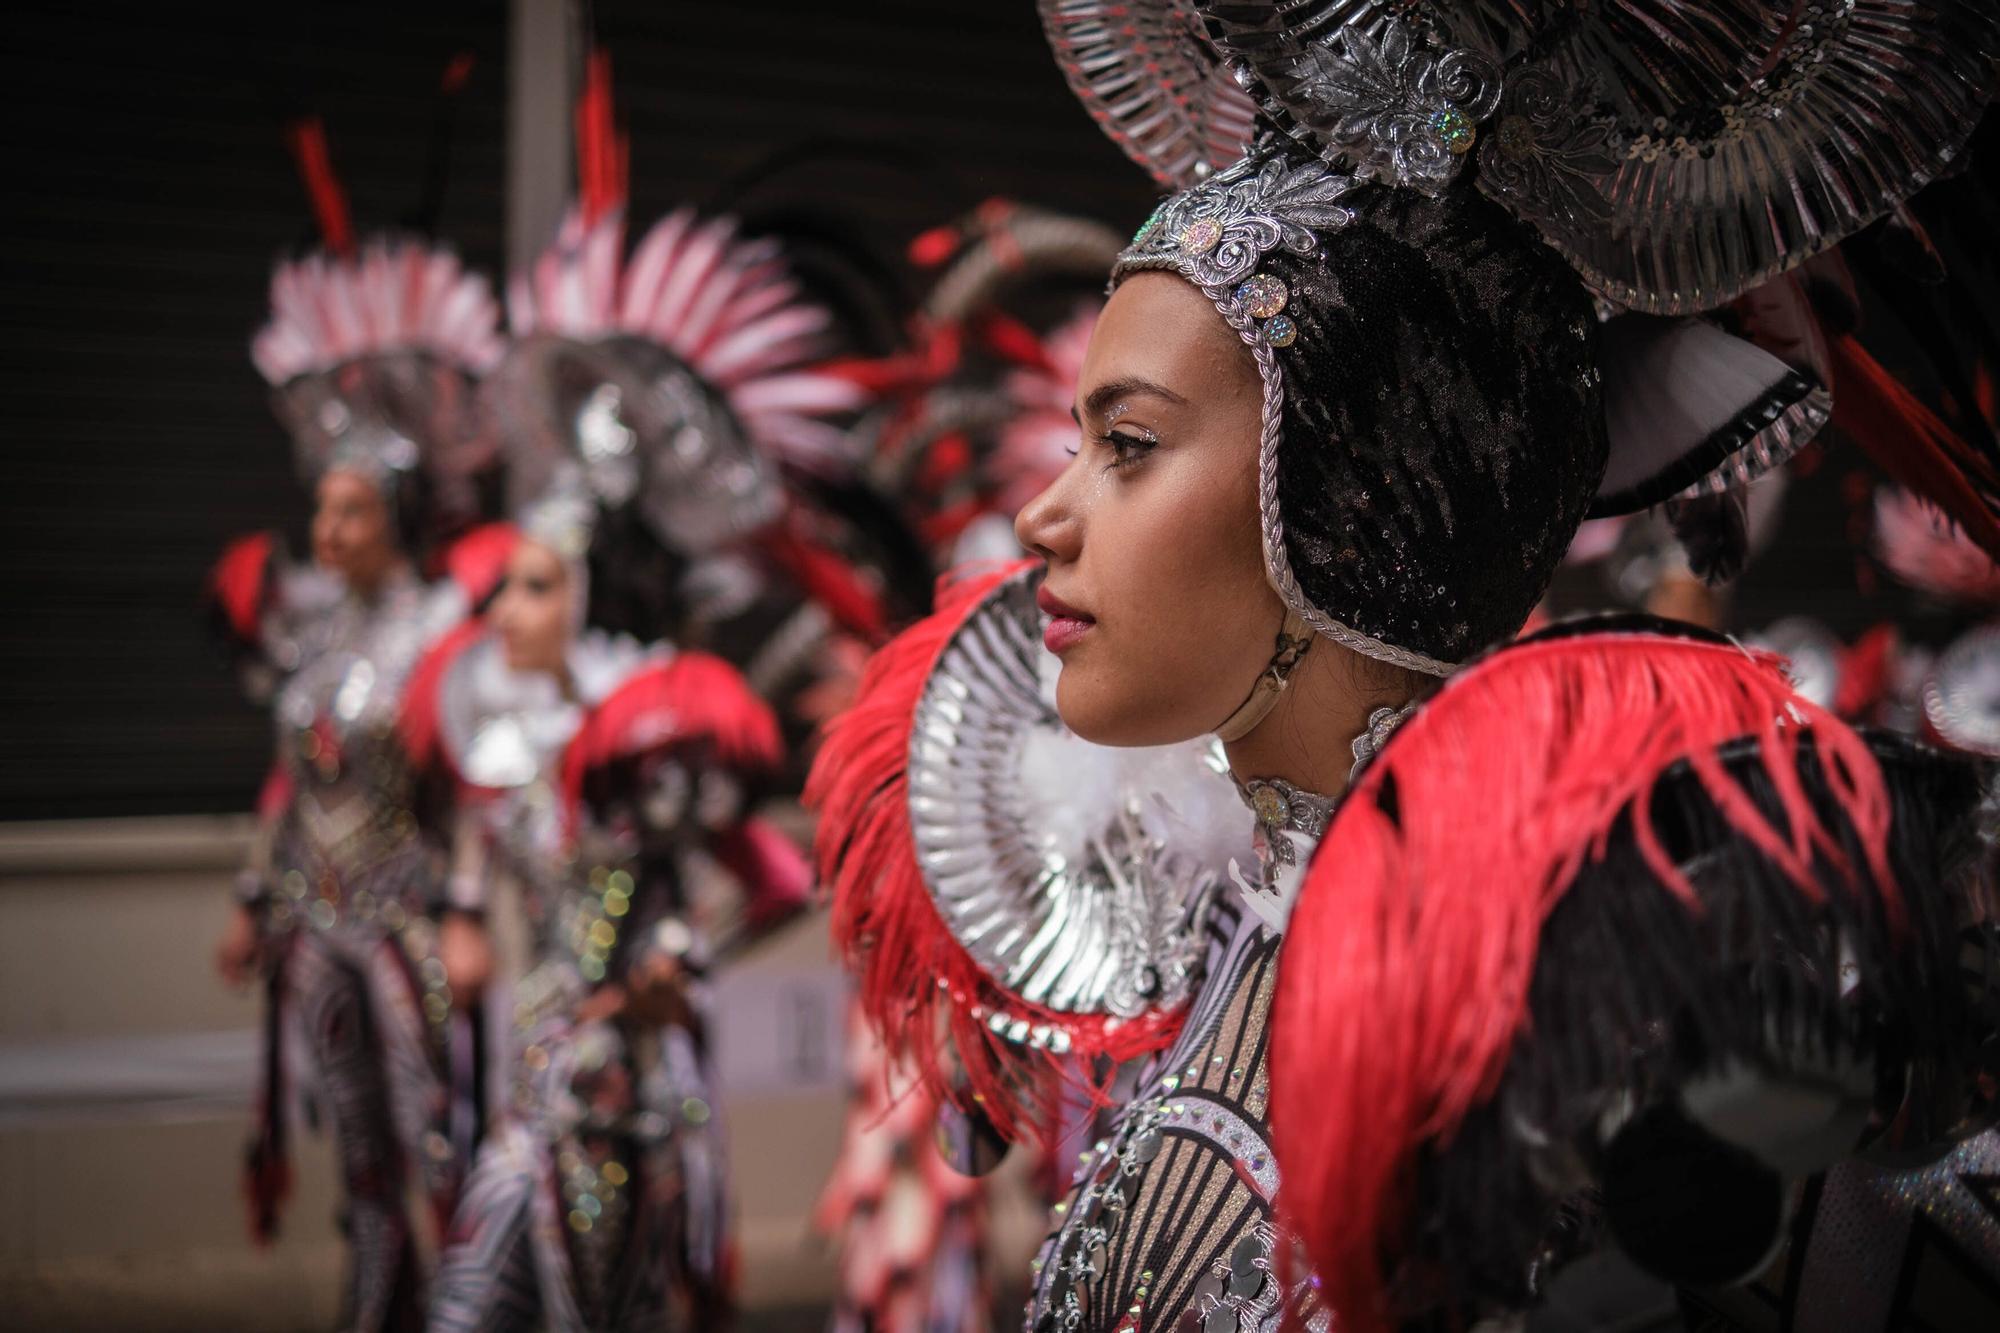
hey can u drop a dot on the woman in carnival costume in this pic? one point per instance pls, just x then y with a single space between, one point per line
372 355
601 767
1609 937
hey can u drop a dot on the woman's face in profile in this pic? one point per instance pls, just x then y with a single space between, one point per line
1155 592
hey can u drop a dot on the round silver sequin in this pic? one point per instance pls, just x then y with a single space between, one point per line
1962 698
1279 331
1245 1276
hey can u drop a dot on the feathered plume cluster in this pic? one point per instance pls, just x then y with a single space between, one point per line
726 306
396 296
1925 548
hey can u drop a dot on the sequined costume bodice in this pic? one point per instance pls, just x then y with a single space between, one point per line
1170 1222
345 849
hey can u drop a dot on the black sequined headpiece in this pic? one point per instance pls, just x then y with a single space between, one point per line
1435 194
1432 428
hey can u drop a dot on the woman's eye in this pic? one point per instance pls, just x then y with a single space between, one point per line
1127 447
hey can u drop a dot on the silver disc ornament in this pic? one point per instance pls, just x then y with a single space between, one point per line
1071 872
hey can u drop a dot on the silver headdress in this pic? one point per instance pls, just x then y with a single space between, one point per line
1677 155
1672 156
372 361
676 381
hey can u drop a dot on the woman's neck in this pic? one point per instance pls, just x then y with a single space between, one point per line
1308 739
369 585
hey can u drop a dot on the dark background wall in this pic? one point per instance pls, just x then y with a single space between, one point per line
149 191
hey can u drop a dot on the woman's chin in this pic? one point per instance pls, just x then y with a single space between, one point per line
1103 714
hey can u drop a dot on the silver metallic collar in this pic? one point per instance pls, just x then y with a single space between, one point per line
1280 804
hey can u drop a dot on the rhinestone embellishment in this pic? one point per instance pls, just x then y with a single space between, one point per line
1262 295
1201 236
1280 332
1454 129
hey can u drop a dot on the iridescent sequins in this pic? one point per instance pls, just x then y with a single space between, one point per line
1200 236
1262 295
1454 129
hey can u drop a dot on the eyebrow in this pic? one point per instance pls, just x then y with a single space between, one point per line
1111 391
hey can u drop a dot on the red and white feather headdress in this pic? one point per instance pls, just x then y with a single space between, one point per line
398 295
725 306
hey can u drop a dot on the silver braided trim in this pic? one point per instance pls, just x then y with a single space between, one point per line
1277 565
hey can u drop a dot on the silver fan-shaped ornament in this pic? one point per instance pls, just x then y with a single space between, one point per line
1676 154
1153 82
1071 872
389 415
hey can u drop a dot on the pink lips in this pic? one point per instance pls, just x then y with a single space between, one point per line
1066 626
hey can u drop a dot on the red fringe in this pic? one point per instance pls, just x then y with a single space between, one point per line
691 696
417 723
477 561
240 583
307 140
1864 674
920 989
275 793
456 73
1914 445
933 248
1015 341
1414 939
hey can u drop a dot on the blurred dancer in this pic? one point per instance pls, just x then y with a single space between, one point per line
371 356
602 765
699 356
596 772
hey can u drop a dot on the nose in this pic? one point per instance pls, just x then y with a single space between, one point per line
1048 525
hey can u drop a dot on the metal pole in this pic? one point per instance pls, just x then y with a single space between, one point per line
542 58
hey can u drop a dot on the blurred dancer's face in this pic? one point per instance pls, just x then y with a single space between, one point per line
351 531
1155 589
530 613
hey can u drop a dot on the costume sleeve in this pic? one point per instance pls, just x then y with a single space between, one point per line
256 880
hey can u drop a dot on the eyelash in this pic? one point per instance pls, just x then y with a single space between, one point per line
1127 447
